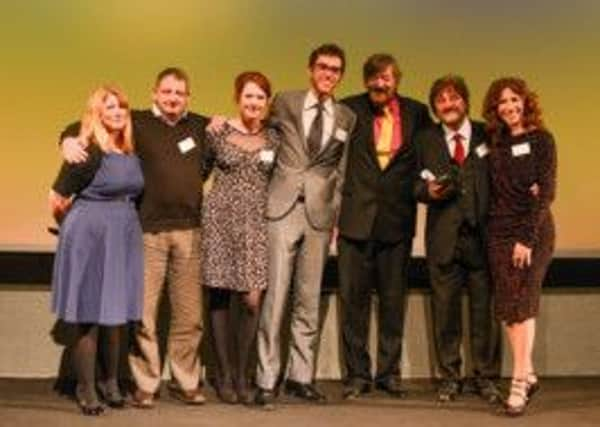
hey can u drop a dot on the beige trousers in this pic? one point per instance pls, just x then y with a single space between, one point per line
172 259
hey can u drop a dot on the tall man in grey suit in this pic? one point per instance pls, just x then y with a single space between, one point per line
454 183
304 197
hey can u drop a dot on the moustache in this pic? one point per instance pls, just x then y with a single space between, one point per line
379 89
451 110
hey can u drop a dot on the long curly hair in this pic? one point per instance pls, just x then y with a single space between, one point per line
532 113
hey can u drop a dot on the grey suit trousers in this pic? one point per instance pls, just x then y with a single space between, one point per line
297 252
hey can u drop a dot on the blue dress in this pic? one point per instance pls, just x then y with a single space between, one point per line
98 267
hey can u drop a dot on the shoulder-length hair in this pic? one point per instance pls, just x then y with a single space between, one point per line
92 128
532 113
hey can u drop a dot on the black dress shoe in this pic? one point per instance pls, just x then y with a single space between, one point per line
225 391
244 391
265 399
304 391
488 390
448 390
392 387
355 388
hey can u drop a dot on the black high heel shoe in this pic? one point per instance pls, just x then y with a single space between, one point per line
111 396
90 407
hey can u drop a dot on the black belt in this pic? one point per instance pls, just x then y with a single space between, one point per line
128 199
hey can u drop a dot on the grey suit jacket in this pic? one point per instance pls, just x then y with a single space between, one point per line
319 179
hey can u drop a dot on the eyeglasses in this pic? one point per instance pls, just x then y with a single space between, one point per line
320 66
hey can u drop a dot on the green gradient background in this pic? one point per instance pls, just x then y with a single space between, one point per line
55 52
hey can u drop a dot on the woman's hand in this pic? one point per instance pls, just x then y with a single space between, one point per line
535 190
216 124
521 256
73 150
59 205
436 190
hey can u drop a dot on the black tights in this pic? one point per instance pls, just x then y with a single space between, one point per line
85 350
219 303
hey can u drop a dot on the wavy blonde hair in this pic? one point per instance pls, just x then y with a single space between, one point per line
93 130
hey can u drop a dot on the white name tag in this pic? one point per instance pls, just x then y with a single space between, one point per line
427 175
521 149
482 150
267 156
341 134
186 145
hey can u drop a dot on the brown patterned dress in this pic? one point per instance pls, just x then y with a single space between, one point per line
234 249
516 163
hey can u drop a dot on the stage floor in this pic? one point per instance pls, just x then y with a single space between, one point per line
565 402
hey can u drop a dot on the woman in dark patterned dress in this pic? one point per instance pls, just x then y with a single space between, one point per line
234 255
97 279
521 227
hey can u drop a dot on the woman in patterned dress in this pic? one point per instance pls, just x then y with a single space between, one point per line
521 227
242 153
97 278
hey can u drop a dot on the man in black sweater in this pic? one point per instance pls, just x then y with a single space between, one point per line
377 224
170 143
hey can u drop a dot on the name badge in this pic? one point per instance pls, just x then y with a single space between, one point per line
341 134
427 175
482 150
186 145
266 156
521 149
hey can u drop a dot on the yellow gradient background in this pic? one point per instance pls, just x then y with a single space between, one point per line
55 52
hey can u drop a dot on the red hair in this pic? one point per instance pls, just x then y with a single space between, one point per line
532 113
255 77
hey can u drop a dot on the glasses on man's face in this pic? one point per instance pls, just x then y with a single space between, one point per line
320 66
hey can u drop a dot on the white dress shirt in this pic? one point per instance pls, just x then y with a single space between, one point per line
309 112
465 131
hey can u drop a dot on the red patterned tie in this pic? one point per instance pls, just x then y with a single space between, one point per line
459 149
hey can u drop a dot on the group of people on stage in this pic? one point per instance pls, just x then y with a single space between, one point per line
291 175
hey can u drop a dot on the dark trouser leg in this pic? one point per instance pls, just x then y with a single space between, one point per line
484 331
85 363
446 307
392 283
354 268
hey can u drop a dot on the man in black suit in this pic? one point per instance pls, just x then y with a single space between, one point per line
454 183
377 224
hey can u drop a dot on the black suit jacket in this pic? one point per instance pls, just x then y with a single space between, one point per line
444 216
379 204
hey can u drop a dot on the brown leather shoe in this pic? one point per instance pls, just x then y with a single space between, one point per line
142 399
189 397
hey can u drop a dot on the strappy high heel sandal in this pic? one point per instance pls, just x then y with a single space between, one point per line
533 385
519 388
90 407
